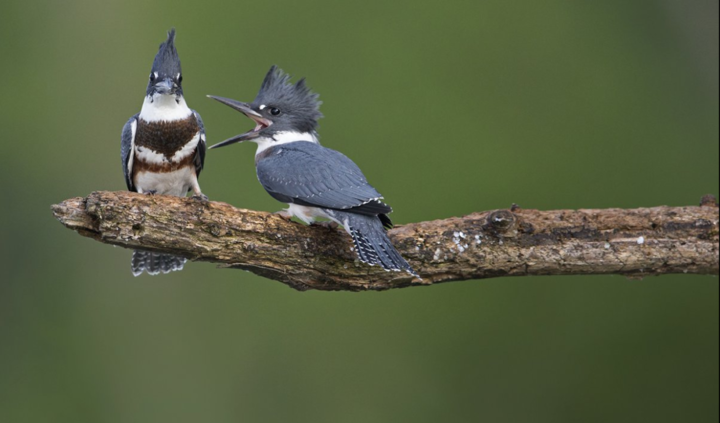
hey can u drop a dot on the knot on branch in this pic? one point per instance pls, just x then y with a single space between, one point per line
501 223
709 201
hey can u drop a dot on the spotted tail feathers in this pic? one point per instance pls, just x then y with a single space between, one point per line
154 263
372 244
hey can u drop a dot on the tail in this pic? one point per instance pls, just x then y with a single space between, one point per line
371 242
154 263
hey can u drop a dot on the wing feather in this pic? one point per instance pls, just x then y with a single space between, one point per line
127 150
309 174
201 147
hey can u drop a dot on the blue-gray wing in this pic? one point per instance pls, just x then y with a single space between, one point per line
127 150
309 174
201 147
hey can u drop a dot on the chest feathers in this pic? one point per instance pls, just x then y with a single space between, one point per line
165 142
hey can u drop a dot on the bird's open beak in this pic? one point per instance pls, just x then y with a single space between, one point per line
260 122
166 86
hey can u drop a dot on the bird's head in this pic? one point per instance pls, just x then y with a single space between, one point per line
166 75
280 107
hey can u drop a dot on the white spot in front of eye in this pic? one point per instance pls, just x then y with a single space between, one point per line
178 76
263 107
155 74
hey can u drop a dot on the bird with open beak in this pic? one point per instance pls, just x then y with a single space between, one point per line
313 180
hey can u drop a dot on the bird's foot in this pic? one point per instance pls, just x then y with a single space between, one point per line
200 197
150 192
326 224
284 214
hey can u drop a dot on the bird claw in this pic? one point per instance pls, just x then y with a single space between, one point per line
200 197
150 192
328 224
284 214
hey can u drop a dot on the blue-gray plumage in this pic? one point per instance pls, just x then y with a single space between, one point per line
163 147
126 146
314 180
166 67
199 159
326 178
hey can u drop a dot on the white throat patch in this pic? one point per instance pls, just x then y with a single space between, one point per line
161 107
285 137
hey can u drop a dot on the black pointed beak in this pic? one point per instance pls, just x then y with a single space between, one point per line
237 138
260 122
237 105
165 86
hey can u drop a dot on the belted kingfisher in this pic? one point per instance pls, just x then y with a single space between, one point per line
314 180
163 147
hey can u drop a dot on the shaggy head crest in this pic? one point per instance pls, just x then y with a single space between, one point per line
167 61
294 99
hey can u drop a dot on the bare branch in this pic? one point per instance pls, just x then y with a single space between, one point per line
515 242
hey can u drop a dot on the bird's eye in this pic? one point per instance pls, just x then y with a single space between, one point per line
275 111
153 76
179 79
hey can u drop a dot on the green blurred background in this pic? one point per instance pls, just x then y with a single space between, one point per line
449 107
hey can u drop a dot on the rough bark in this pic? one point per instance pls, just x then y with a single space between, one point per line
515 242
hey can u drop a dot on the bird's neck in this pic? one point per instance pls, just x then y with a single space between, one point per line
162 107
284 137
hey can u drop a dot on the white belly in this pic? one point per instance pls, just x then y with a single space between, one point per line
171 183
304 213
308 215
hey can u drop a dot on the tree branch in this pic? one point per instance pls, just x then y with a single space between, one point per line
516 242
